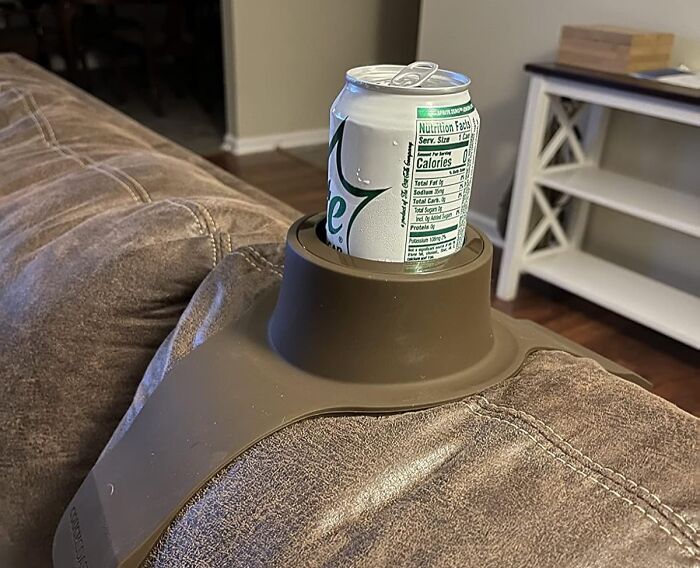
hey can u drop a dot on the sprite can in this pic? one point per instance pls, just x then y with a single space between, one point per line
400 163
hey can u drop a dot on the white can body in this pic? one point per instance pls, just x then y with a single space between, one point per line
400 171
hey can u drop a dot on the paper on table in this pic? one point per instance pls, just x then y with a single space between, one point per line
690 80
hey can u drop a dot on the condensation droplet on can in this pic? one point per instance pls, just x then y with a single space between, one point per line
365 181
370 120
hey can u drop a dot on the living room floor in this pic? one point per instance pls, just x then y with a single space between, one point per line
297 178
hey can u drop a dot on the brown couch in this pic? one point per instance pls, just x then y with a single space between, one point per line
120 252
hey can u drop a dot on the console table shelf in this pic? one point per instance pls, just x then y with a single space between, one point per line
652 303
661 205
559 259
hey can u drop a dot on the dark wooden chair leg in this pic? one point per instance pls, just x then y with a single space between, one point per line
39 36
65 12
150 31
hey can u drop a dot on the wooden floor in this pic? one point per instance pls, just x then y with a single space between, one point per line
288 178
673 367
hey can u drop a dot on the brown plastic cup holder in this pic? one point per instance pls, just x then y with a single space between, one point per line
360 320
349 336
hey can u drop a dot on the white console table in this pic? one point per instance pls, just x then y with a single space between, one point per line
560 260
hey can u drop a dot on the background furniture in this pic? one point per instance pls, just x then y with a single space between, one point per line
614 49
120 252
560 259
156 33
21 29
106 231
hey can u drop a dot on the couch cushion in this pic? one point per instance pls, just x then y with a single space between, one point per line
561 465
106 231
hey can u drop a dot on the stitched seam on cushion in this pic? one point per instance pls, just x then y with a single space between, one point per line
57 147
475 407
200 226
264 266
254 264
16 146
223 245
211 228
595 467
86 161
51 142
145 196
257 256
261 258
30 113
653 501
209 217
203 229
105 168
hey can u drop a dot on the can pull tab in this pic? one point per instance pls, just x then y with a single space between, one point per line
415 74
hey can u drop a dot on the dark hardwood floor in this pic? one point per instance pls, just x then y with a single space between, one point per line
288 178
673 367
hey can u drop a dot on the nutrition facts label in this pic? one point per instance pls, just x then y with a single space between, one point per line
443 166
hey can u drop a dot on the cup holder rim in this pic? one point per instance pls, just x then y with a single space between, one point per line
307 238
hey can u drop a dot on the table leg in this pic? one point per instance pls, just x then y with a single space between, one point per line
534 126
593 141
65 12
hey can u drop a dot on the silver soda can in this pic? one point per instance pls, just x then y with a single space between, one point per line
400 162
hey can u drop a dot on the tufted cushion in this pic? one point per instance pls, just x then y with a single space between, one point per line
106 231
562 465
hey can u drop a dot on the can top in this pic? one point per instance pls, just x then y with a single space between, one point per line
419 78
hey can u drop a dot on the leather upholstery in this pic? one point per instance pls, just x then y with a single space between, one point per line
117 245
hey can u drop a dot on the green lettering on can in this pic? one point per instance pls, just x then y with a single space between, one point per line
336 208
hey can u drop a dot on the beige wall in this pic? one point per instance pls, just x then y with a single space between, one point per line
669 156
287 58
491 40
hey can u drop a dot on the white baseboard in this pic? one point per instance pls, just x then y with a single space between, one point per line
488 225
251 144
